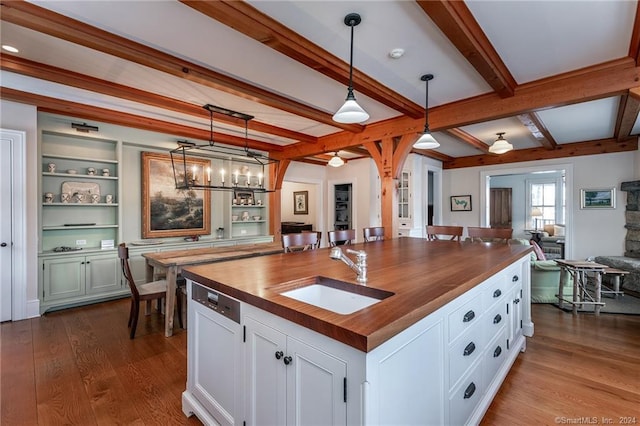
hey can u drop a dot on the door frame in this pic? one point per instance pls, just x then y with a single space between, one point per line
485 187
17 140
331 203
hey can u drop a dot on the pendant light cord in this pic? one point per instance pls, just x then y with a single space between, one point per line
350 90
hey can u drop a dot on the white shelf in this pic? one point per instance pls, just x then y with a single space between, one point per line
79 176
74 158
80 204
67 228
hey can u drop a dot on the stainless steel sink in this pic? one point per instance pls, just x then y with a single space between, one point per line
333 295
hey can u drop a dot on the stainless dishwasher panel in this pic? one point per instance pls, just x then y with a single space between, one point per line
216 301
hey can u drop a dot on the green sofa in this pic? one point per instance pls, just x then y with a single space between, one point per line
545 277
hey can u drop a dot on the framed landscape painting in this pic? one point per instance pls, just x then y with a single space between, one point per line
171 212
598 198
461 203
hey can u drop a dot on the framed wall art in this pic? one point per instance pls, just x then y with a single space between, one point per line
598 198
461 203
301 202
171 212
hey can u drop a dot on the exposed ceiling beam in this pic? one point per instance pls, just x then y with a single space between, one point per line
607 79
468 139
310 161
457 23
433 154
251 22
357 150
538 130
634 45
47 22
74 109
628 110
70 78
603 146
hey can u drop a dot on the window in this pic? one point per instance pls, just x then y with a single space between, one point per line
546 202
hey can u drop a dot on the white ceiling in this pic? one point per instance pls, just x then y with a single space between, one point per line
534 39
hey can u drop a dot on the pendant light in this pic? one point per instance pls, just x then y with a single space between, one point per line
426 140
351 112
501 145
336 161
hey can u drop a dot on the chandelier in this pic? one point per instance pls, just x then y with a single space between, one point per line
229 168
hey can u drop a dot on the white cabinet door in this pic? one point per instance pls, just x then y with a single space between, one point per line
266 374
102 273
316 389
290 382
63 278
515 314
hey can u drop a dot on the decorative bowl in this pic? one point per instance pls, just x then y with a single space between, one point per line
234 217
256 217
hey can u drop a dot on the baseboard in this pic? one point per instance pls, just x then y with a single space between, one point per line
33 308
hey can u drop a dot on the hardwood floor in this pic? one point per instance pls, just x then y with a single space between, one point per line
79 367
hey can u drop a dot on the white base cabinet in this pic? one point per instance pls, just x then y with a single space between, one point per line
443 370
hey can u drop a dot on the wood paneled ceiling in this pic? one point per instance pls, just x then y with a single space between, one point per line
559 78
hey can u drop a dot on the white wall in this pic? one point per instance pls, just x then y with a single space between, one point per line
595 232
286 209
16 116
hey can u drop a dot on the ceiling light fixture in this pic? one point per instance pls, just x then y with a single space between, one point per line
501 145
336 161
237 169
351 112
426 140
9 48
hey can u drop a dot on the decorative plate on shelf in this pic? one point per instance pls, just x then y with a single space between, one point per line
80 192
146 242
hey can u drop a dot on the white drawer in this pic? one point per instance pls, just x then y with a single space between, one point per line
464 398
495 356
466 316
496 290
495 319
514 275
462 354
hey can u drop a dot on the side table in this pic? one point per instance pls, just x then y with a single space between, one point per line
579 269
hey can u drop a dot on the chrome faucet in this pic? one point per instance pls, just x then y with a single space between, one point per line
360 267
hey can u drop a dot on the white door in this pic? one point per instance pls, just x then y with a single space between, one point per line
6 279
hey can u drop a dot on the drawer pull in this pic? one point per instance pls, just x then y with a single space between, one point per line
287 360
468 316
497 352
279 354
468 350
515 278
469 391
497 293
497 319
516 301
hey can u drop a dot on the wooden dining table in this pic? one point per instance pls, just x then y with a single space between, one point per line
172 262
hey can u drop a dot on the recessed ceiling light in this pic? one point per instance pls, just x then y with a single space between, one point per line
396 53
9 48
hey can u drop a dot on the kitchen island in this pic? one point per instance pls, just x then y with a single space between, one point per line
433 350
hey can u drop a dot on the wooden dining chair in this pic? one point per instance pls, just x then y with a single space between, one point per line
435 232
374 233
341 237
479 234
301 241
156 290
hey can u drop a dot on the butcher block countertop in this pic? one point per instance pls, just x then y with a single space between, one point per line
423 275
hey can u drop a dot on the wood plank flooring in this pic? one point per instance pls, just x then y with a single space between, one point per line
79 367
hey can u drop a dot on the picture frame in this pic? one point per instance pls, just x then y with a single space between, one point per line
598 198
301 202
167 211
461 203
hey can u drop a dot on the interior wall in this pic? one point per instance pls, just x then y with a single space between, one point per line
22 117
597 232
287 213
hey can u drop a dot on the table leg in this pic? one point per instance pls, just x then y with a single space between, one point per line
562 283
172 273
148 275
576 290
598 291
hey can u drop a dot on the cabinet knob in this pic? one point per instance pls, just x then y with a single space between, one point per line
468 316
497 293
279 354
468 350
470 390
287 360
516 301
3 244
515 278
497 319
